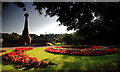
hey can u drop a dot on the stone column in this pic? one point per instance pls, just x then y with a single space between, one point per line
25 39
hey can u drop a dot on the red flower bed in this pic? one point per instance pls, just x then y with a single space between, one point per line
93 51
24 48
23 60
1 51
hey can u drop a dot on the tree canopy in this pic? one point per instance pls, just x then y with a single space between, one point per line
89 19
79 15
18 4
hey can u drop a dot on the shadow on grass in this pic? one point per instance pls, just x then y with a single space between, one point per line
93 62
14 66
24 68
89 63
46 59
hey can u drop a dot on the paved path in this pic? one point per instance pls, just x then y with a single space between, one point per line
31 46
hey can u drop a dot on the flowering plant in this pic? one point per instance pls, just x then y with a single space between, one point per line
23 60
94 50
24 48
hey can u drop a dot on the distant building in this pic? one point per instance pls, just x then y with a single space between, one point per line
38 40
1 40
33 35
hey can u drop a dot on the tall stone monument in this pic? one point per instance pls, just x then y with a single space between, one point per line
25 39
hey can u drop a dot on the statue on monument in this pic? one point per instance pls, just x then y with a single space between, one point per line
25 39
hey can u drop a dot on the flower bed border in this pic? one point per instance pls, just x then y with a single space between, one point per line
77 49
87 52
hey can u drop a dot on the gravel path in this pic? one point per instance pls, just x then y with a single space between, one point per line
31 46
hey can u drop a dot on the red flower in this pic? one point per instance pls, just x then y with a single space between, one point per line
23 48
17 66
6 58
94 50
58 47
33 58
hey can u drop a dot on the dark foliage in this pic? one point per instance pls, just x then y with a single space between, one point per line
79 16
18 4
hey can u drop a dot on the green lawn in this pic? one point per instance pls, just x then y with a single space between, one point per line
57 44
68 62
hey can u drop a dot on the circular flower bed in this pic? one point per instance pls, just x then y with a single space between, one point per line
90 51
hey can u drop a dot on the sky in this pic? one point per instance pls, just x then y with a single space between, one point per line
13 21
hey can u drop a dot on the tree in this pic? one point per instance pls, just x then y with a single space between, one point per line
12 36
67 38
80 16
18 4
